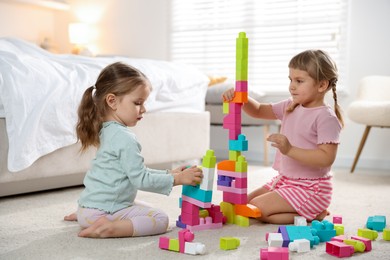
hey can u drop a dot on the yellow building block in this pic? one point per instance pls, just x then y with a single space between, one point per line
174 244
241 221
227 210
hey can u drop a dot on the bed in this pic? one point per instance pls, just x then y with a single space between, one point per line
39 96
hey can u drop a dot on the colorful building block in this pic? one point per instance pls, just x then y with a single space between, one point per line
324 230
247 211
299 232
183 244
386 234
299 245
367 233
339 249
339 229
366 242
241 221
358 246
241 164
275 240
229 243
241 144
226 165
300 221
274 253
337 219
286 238
377 223
196 248
209 160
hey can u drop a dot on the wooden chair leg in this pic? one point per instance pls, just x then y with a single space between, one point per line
362 142
265 133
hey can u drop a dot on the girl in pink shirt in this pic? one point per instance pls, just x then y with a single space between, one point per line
307 143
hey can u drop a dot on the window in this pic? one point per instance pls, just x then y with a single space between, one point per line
204 33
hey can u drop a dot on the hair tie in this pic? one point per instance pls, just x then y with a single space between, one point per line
93 90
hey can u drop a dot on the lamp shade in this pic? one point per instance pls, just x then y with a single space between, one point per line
79 33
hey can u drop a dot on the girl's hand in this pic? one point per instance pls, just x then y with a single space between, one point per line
189 176
281 142
228 95
179 169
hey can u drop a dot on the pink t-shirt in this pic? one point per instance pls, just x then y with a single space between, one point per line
305 128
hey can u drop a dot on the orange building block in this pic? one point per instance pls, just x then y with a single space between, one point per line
240 97
247 211
227 165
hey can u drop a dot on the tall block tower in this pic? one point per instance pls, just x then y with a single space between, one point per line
232 173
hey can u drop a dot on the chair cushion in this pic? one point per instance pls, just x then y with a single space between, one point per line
374 113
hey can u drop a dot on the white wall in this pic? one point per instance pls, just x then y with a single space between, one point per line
24 21
136 28
369 54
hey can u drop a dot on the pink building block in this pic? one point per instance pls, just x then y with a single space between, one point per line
185 236
189 208
339 249
337 219
235 198
241 182
189 219
232 119
232 174
163 243
274 253
241 86
196 202
235 108
366 242
340 238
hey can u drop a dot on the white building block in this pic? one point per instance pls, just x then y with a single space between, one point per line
300 221
299 245
275 240
194 248
208 179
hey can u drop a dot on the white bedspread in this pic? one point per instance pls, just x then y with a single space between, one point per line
40 93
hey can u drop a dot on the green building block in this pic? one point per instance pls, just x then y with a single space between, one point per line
357 245
233 155
242 57
229 243
386 234
225 108
174 244
241 221
227 210
241 164
367 233
209 160
339 229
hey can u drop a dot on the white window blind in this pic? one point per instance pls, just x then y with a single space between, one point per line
204 33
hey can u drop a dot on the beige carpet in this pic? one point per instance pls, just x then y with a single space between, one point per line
31 226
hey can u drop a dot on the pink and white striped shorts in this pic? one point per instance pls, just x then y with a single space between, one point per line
309 197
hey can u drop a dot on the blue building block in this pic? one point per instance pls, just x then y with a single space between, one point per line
241 144
286 238
377 223
196 193
324 230
225 181
300 232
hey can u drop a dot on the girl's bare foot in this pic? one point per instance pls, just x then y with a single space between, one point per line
322 215
98 229
71 217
